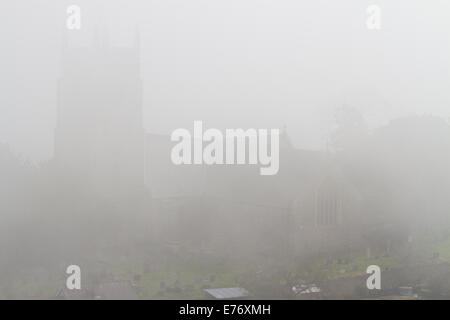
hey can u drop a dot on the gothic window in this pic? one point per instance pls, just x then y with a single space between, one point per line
327 204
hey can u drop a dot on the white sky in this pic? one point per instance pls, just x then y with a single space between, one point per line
249 63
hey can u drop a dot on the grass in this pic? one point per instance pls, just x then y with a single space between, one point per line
174 280
443 248
174 277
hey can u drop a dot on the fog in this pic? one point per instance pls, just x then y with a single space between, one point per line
86 118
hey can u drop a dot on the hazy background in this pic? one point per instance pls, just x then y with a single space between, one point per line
365 181
241 62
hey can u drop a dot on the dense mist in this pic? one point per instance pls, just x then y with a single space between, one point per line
355 120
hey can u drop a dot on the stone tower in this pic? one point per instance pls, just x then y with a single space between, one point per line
99 136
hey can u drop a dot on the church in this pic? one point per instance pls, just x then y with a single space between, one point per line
102 148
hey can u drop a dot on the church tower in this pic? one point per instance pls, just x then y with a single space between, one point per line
99 136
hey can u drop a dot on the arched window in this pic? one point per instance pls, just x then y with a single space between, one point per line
327 204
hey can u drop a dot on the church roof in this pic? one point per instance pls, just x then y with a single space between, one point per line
300 172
